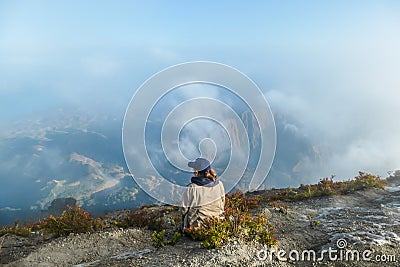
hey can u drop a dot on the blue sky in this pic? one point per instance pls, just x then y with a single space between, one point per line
330 66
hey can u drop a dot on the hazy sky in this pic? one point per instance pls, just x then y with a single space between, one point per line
331 67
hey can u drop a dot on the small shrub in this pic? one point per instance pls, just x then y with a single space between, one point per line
366 181
237 222
265 237
152 219
176 237
312 222
24 231
213 232
239 201
73 220
326 187
39 225
159 239
138 218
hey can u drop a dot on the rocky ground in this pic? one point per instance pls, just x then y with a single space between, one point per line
363 223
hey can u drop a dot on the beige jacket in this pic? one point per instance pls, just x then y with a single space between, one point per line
200 202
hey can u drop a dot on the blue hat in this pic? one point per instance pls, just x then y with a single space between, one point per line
200 164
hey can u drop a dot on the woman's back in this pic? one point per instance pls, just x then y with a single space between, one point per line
200 202
204 196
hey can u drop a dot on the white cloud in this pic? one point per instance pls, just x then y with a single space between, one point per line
348 105
9 209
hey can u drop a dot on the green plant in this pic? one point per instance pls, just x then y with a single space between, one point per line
213 232
159 239
16 230
73 220
237 222
239 201
312 222
265 237
367 180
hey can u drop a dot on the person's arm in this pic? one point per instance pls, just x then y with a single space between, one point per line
187 199
223 195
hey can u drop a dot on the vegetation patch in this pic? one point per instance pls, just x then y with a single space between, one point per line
16 230
237 221
73 220
312 221
154 217
326 187
159 239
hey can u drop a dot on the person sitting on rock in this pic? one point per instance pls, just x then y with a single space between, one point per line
204 197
